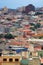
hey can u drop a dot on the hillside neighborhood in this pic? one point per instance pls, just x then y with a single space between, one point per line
21 34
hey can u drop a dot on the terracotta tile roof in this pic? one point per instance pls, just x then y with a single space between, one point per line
37 48
18 41
39 34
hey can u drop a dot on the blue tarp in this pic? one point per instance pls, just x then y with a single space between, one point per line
20 50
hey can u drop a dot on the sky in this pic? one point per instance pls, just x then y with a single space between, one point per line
18 3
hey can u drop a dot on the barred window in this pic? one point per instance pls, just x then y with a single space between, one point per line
16 59
4 59
10 59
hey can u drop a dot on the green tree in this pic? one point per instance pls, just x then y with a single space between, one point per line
32 24
1 35
9 36
38 13
41 37
37 25
32 28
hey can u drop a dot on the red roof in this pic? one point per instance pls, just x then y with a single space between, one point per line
37 48
26 30
16 43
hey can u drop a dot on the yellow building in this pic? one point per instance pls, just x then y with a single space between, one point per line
10 60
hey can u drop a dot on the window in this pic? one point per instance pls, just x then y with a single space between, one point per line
31 53
16 59
0 54
42 48
4 59
10 59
